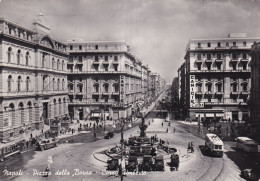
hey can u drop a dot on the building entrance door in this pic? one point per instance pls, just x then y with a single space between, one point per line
45 110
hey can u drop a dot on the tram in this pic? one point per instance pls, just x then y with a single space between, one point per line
11 149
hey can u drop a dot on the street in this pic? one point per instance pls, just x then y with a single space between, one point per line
87 161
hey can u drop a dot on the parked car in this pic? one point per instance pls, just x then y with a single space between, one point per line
109 135
113 163
132 164
45 144
158 163
248 174
174 161
147 164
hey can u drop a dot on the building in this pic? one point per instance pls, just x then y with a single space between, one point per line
33 78
215 78
254 103
106 80
175 88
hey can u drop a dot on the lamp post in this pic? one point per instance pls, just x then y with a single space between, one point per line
122 125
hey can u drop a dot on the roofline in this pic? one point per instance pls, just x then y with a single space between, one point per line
16 24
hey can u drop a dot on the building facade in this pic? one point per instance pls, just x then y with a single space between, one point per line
215 78
255 91
33 82
105 80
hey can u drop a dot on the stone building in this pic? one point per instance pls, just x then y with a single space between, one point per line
215 78
106 80
33 81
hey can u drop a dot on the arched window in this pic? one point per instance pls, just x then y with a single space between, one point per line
19 83
60 107
27 58
58 64
62 64
9 83
227 44
9 54
18 57
43 59
27 83
30 111
21 110
55 107
58 84
63 84
105 87
53 84
96 88
53 63
12 114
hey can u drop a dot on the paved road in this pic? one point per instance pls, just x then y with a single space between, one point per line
67 158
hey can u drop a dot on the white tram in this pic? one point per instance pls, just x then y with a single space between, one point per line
214 144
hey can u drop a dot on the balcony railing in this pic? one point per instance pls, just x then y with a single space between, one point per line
207 71
234 47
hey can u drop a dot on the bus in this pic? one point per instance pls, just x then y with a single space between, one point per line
246 144
214 144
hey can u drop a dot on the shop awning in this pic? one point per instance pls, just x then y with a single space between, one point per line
210 115
219 114
201 115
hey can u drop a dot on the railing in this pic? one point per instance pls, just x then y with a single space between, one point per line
192 71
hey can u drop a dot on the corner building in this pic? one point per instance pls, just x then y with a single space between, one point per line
33 81
216 75
104 80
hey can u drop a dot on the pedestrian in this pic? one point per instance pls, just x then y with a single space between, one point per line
27 144
31 135
162 124
80 125
167 130
89 125
72 131
174 129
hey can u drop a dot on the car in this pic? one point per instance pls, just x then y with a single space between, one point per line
158 163
248 174
113 163
132 164
45 144
109 135
147 164
174 161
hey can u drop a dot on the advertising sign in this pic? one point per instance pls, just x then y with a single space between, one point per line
193 103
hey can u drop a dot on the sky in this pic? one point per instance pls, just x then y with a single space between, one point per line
158 31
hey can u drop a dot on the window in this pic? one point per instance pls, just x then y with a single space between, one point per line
219 88
199 87
63 84
209 56
115 67
244 66
199 56
218 56
116 88
96 88
106 67
9 54
43 59
244 86
209 99
105 87
209 44
234 44
219 99
58 64
244 56
53 63
218 66
96 58
27 83
63 64
80 47
219 44
80 58
209 66
227 44
96 47
53 84
234 88
199 45
58 84
71 47
18 57
27 58
106 58
116 58
209 87
9 83
199 66
234 66
19 83
244 44
234 56
106 47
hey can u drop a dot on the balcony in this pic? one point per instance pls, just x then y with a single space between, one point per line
70 62
219 60
234 47
96 93
80 63
245 92
209 60
220 48
105 63
209 93
71 92
199 93
79 93
96 63
115 62
213 103
244 60
198 61
115 93
105 93
198 48
219 93
234 93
